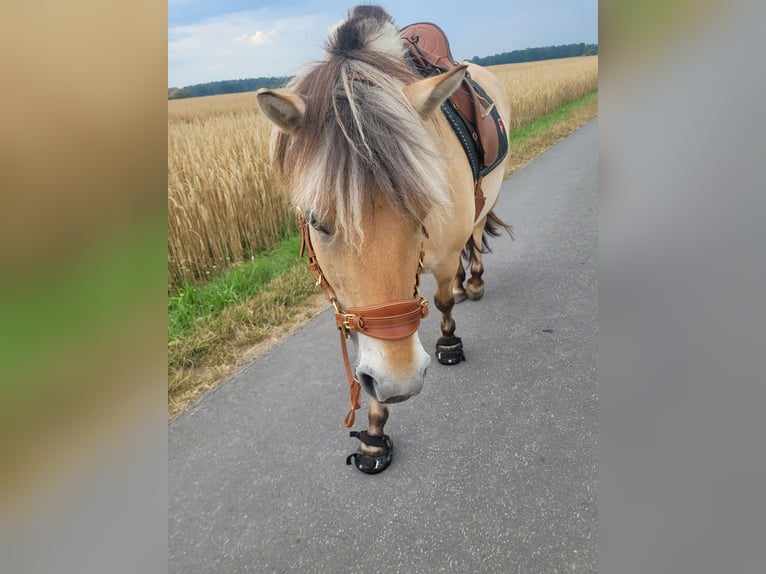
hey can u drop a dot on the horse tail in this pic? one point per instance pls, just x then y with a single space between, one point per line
492 227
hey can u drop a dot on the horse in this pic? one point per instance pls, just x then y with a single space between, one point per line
384 191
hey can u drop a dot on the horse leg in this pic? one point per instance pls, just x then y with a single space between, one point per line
458 291
490 225
449 348
375 447
475 286
377 418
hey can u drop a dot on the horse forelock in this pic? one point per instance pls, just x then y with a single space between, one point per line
360 135
366 28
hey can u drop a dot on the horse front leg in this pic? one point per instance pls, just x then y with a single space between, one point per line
449 348
377 418
375 450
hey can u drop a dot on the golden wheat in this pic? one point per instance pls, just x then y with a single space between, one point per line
224 203
536 89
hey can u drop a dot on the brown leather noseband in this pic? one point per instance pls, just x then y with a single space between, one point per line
389 321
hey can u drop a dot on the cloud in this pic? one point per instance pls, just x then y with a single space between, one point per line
243 45
261 37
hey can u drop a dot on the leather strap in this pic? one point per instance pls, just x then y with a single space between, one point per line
379 441
478 198
354 388
389 321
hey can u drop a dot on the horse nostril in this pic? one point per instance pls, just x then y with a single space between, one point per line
368 383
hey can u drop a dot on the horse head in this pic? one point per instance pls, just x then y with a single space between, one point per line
354 145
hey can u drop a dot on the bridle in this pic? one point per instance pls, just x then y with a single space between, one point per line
389 321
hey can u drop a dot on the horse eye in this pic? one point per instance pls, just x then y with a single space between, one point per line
314 222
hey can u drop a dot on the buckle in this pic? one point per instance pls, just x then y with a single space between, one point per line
334 302
346 327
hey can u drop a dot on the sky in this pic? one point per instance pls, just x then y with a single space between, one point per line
211 40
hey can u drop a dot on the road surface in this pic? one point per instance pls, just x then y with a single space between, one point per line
494 464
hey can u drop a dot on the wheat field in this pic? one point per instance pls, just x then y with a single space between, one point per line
224 202
536 89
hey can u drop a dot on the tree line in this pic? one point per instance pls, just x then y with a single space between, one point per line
227 87
514 57
535 54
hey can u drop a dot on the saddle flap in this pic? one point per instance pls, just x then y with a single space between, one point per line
477 115
490 140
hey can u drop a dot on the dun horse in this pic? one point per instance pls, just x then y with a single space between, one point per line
384 188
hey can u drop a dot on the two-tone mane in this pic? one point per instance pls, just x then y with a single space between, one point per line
360 132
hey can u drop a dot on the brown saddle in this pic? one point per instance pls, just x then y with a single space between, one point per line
429 50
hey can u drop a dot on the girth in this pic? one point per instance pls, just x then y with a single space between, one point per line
389 321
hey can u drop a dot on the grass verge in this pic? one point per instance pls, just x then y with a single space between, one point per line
533 139
218 326
192 304
215 328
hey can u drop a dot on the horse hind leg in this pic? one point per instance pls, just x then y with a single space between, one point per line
477 245
471 255
458 291
474 288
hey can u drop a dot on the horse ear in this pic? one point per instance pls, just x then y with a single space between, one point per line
427 95
286 109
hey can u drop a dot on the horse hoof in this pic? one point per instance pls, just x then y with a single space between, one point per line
367 463
449 350
459 296
475 292
475 295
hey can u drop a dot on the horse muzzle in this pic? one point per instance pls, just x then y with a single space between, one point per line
389 394
392 378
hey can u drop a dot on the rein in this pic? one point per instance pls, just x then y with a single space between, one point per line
389 321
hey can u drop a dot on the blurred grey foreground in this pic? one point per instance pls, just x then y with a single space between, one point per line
682 482
83 420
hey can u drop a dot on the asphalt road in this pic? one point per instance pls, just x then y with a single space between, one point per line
494 464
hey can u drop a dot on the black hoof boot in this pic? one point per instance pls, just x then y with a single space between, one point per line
449 350
367 463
